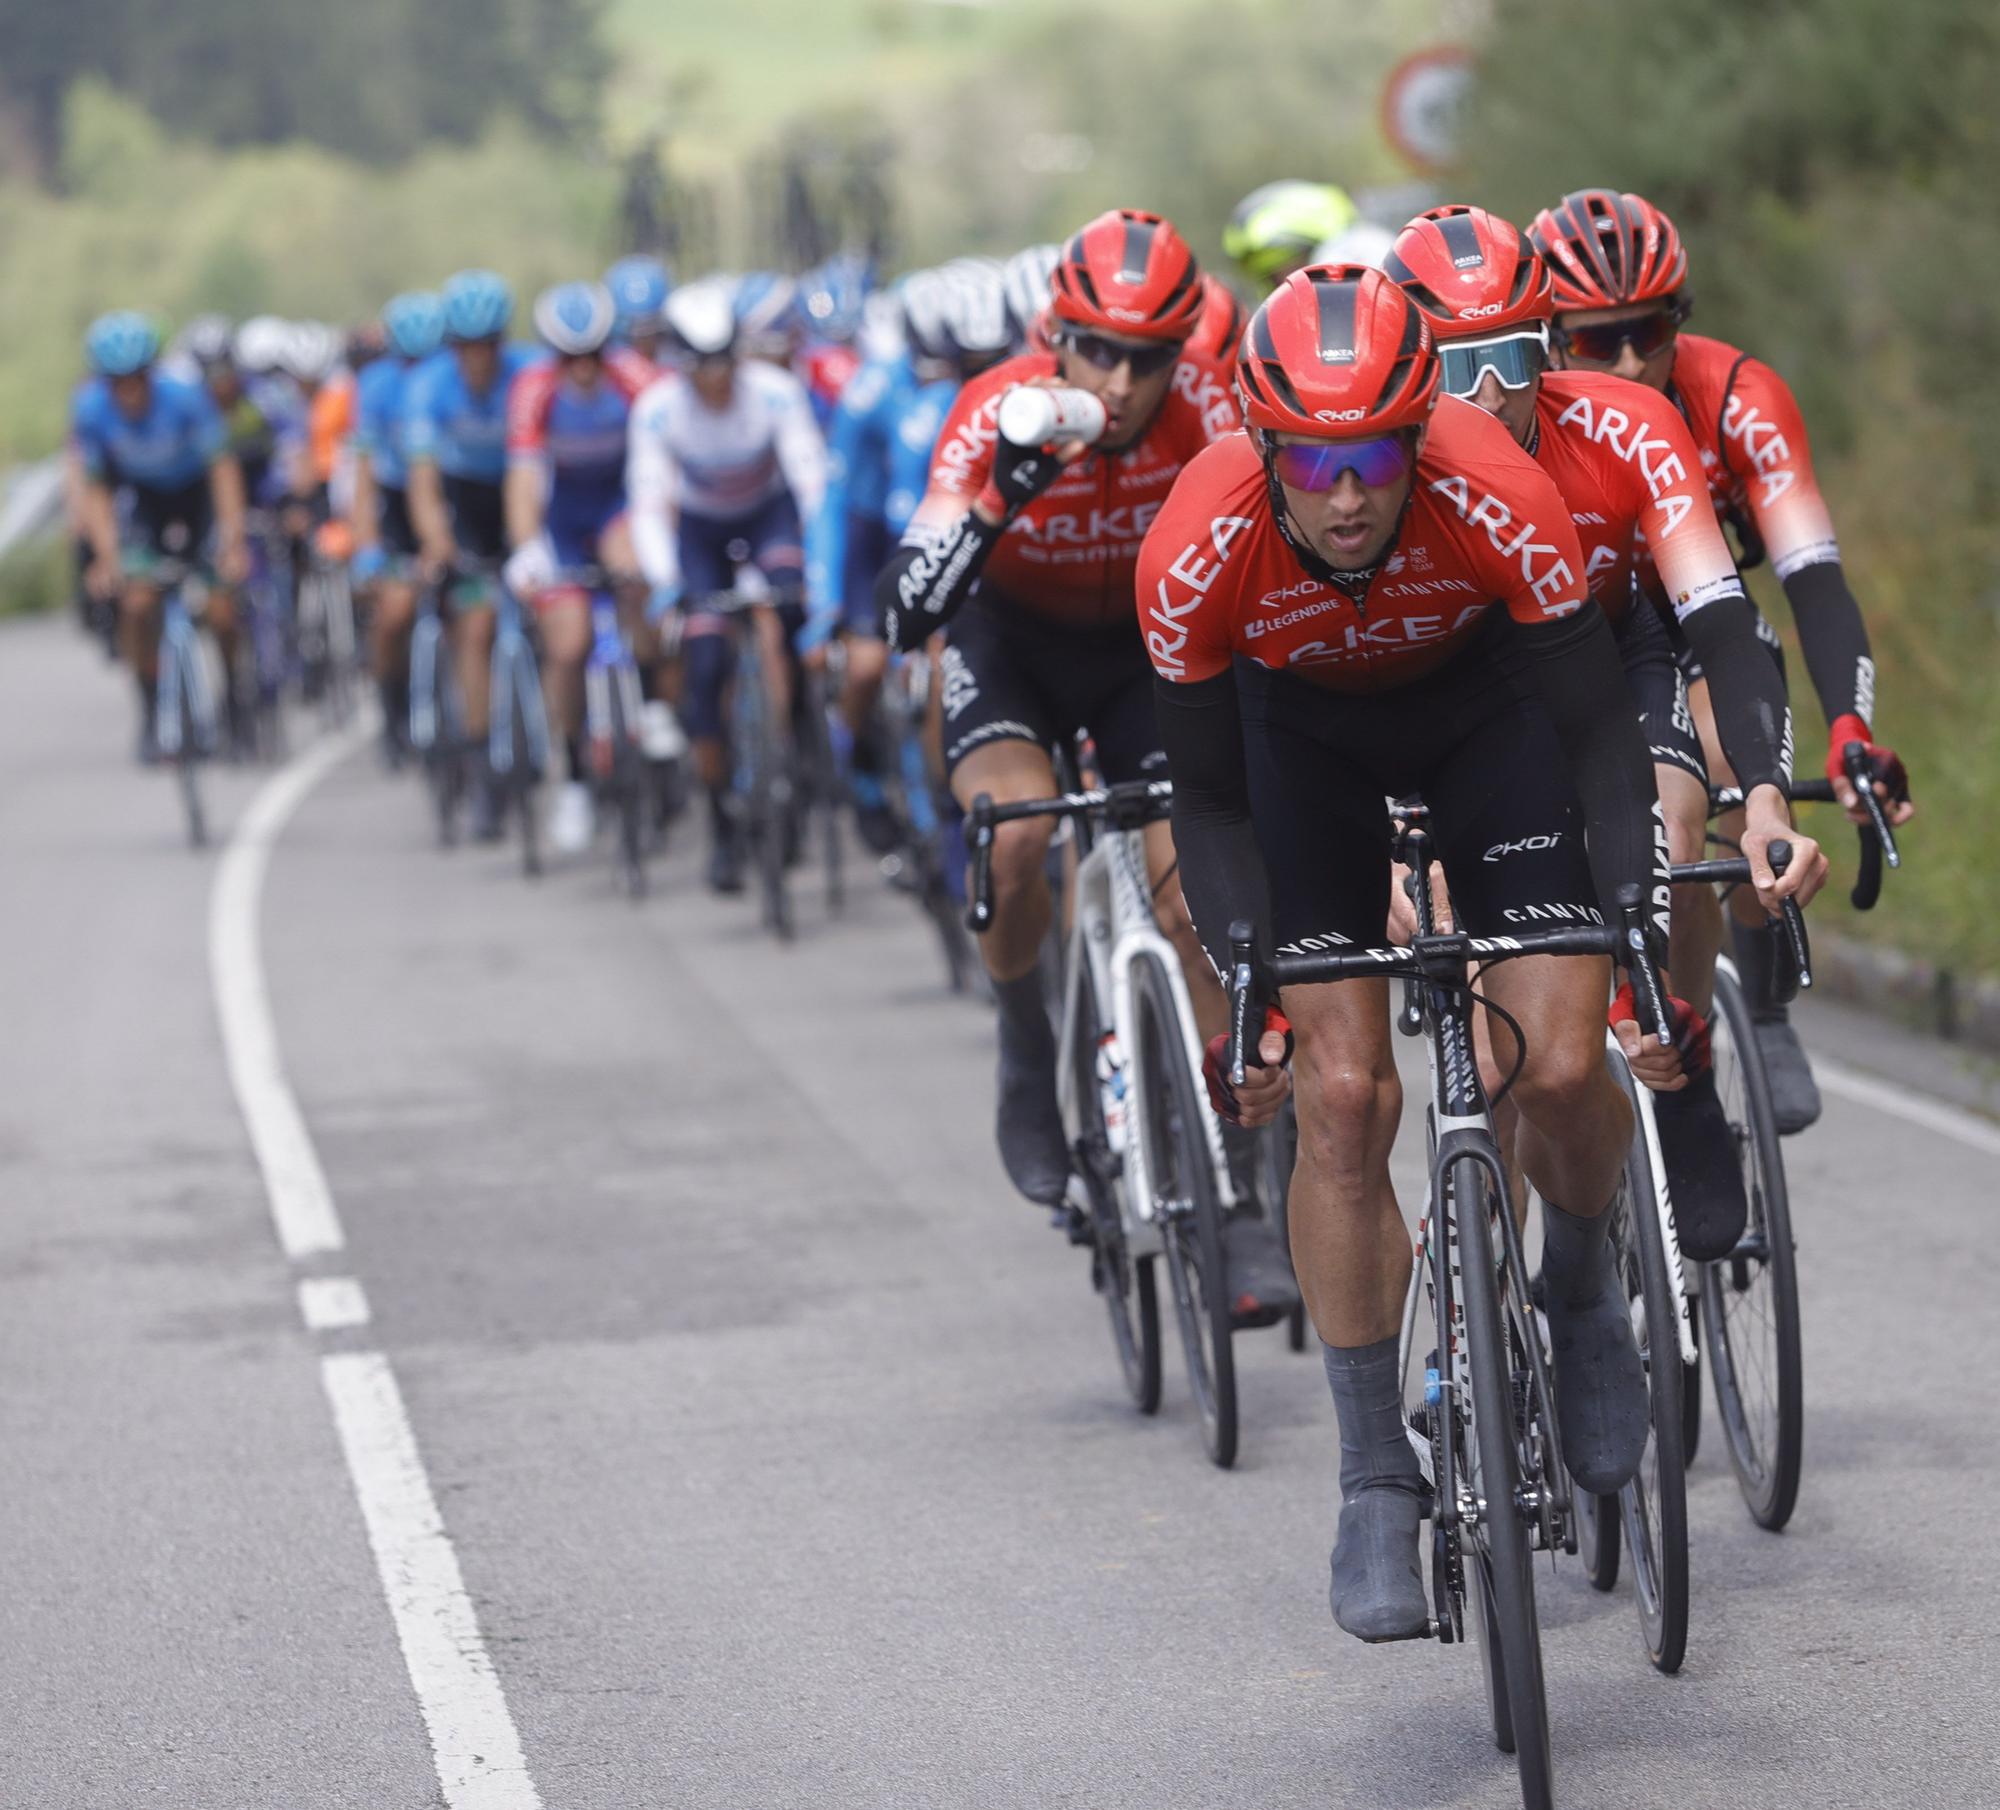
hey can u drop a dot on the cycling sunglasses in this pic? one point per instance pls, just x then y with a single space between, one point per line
1515 361
1316 465
1109 354
1646 334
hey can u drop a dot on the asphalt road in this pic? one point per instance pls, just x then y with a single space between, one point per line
781 1450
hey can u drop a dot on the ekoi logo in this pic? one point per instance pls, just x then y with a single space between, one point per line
1544 570
1522 845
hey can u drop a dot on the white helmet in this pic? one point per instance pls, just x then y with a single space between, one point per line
260 344
310 351
702 316
1362 243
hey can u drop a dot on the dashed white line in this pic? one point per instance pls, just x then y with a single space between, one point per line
1913 1109
332 1303
474 1744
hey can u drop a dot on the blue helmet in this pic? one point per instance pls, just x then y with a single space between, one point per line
414 322
639 289
835 293
121 344
576 318
767 309
478 304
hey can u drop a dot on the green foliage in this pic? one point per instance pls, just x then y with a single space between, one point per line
1831 164
375 79
36 577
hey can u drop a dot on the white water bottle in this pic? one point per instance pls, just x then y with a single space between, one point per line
1033 416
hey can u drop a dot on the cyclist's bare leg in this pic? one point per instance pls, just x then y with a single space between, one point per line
774 657
565 625
1697 913
1743 905
867 661
1009 771
472 633
395 615
139 630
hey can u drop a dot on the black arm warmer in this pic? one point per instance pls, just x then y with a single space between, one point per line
1574 665
1835 640
925 582
1221 868
1744 689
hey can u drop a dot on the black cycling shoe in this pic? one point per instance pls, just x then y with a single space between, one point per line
488 818
1711 1205
725 862
1377 1592
1602 1407
1261 1289
1795 1101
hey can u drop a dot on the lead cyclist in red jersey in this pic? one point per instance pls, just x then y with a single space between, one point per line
1627 469
1371 593
1620 274
1025 556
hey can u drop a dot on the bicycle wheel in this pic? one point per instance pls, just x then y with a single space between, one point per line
1750 1299
1127 1284
1691 1376
1653 1506
1508 1628
627 789
823 785
187 762
1277 1156
1166 1113
1597 1537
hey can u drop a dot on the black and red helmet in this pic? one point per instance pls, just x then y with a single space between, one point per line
1337 350
1128 273
1605 249
1471 272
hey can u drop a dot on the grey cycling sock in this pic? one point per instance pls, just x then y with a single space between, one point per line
1377 1591
1572 1254
1756 952
1029 1121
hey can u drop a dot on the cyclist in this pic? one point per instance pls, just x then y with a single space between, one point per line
831 299
767 317
878 457
1278 228
639 287
1024 280
723 465
385 539
1625 465
1620 275
1026 558
566 426
1334 618
454 445
158 448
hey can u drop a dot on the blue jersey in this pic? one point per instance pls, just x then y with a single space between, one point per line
879 463
169 447
463 434
378 419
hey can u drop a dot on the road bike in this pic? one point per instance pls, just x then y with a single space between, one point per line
517 735
437 713
1485 1429
327 637
184 715
1149 1178
613 737
928 859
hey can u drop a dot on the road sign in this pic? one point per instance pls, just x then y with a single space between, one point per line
1423 105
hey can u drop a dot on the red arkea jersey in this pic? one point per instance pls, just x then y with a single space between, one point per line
1752 442
1623 459
1485 527
1070 555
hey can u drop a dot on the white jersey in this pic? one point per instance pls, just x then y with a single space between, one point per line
723 464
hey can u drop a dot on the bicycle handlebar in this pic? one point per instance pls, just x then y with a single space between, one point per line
1130 805
1878 840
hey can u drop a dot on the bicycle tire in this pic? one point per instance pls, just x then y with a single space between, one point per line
770 803
1509 1629
1598 1537
1766 1439
628 791
187 763
1166 1107
1127 1283
1691 1379
1653 1506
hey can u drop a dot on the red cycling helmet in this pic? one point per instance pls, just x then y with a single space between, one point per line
1471 272
1131 274
1337 350
1605 249
1220 328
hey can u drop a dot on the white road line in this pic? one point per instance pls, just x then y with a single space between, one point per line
478 1753
1914 1109
474 1744
294 1183
332 1303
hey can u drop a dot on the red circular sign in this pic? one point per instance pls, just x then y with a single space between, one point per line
1423 104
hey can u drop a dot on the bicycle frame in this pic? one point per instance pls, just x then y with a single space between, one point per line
181 665
610 663
516 687
428 655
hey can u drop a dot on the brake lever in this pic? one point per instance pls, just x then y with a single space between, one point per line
1649 999
1242 984
1861 776
979 830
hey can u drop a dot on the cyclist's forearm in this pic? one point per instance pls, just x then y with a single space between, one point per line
929 577
1744 687
525 488
427 511
1835 640
100 522
225 485
1221 867
1576 669
367 504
